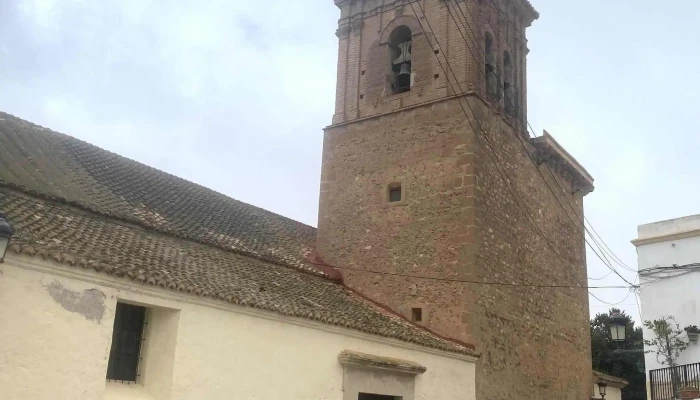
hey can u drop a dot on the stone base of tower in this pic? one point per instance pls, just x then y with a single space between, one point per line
458 222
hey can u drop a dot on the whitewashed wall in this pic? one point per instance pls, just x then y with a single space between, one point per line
56 325
664 244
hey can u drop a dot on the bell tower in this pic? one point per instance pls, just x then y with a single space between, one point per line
430 202
389 48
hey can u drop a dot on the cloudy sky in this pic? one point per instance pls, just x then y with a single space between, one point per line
234 94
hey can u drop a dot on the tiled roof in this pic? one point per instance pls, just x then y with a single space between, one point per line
620 382
62 191
39 161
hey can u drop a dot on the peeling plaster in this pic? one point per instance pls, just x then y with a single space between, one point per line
90 303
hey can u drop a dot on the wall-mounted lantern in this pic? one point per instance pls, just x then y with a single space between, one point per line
602 388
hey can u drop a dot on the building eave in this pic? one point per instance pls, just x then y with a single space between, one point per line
550 151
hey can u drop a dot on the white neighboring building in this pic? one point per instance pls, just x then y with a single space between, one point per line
669 286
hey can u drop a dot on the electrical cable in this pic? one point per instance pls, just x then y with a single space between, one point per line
606 261
601 278
612 304
506 180
469 281
492 153
466 25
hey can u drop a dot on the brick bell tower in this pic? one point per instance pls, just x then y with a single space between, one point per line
450 208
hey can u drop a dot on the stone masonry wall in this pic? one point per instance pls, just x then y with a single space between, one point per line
459 221
536 339
428 233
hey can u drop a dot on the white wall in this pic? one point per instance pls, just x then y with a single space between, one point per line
678 296
56 325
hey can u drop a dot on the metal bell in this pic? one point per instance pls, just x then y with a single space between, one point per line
404 77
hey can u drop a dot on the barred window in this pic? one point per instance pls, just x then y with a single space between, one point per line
127 336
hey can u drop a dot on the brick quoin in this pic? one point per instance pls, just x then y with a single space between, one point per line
457 218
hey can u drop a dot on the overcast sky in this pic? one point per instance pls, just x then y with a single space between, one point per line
233 95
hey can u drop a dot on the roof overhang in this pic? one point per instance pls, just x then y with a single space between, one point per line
613 381
348 357
529 12
551 152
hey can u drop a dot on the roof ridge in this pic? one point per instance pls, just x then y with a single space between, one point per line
218 229
67 136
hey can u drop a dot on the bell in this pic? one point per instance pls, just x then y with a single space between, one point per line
404 77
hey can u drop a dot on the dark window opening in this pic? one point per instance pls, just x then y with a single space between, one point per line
371 396
126 343
401 47
417 314
508 86
395 194
490 66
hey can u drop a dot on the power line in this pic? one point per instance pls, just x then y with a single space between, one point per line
612 304
492 153
582 221
466 25
432 278
606 261
636 299
606 306
620 262
601 278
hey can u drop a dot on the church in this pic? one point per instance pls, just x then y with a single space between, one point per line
448 261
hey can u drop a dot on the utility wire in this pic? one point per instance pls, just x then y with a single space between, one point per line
636 300
606 306
466 26
612 304
480 131
432 278
502 175
606 261
601 278
508 25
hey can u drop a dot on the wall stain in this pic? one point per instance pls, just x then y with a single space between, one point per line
90 303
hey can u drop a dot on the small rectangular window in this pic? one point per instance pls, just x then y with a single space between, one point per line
126 343
371 396
395 194
417 314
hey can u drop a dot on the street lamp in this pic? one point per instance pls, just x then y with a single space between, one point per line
602 386
6 232
618 327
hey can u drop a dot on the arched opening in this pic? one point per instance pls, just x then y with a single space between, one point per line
490 65
400 46
508 83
